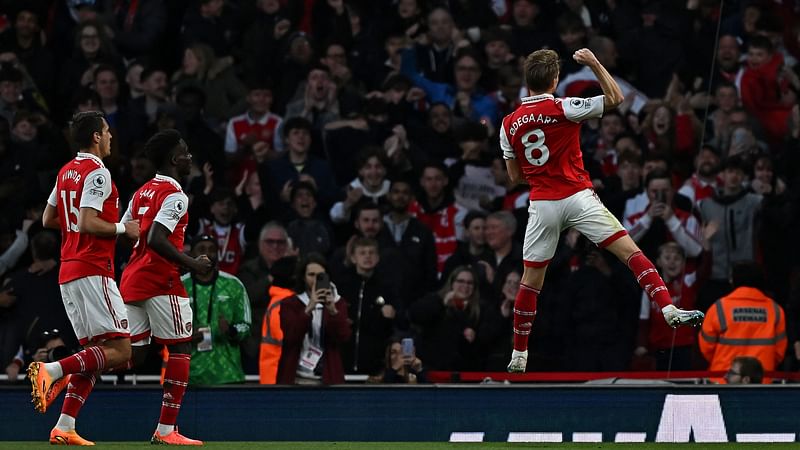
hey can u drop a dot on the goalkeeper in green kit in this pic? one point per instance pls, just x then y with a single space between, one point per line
221 321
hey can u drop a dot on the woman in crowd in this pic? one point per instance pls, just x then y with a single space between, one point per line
315 326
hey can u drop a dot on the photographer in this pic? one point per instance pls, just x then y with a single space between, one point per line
315 327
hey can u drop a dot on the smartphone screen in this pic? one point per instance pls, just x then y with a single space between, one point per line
408 346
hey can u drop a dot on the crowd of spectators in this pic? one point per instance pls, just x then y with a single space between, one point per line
359 138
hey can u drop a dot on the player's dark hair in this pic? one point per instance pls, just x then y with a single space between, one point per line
84 125
541 68
160 146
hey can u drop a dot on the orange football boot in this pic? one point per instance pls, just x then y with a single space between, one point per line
173 438
58 437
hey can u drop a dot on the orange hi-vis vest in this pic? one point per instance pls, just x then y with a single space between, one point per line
272 336
744 323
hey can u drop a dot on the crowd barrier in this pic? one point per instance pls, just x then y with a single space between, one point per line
440 412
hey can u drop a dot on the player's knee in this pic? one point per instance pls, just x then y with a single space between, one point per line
118 352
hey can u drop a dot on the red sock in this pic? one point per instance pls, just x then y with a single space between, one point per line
649 279
176 378
78 390
524 311
88 360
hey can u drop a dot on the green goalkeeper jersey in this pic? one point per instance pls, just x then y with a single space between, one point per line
222 363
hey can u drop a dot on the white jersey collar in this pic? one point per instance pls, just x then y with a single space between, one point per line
84 155
168 179
537 98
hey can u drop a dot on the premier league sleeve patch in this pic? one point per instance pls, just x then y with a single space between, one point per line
99 183
178 210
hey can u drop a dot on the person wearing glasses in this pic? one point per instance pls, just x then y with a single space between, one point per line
745 370
273 244
457 327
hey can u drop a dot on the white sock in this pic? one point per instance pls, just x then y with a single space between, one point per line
54 370
65 423
517 353
164 430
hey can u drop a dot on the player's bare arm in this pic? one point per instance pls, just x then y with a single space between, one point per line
514 172
158 240
50 218
90 222
611 90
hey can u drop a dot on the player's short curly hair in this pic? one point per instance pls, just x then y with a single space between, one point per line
541 68
84 125
160 145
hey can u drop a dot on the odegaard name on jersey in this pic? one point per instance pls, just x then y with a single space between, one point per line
530 118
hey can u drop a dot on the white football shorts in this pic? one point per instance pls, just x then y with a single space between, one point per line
167 318
95 309
548 218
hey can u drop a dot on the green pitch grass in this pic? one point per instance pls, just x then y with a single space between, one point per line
412 446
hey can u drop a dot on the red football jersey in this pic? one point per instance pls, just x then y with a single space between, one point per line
84 182
231 243
543 134
684 294
149 274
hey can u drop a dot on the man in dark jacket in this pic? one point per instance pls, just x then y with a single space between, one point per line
373 301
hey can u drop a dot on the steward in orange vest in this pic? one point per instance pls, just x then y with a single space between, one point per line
744 323
281 277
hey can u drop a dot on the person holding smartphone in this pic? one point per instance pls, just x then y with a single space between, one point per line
667 218
402 366
315 327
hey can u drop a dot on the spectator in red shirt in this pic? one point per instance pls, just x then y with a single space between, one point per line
764 93
671 347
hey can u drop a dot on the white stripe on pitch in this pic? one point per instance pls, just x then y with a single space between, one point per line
630 437
587 437
535 437
765 437
472 436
